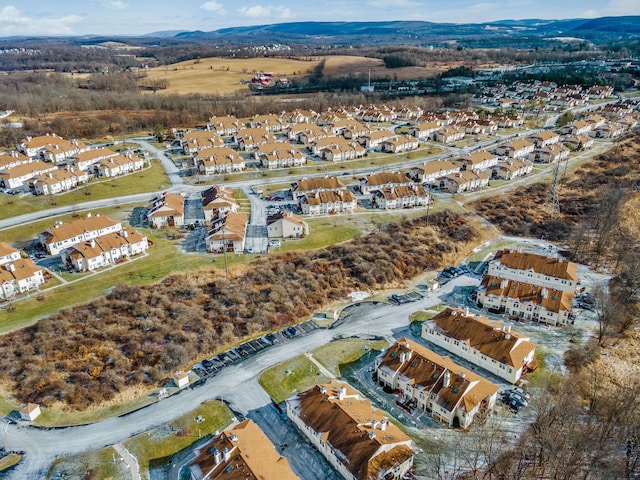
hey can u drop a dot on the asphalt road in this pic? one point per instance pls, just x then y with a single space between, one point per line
236 385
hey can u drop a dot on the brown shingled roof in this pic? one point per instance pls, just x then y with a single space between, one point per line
347 426
485 336
552 267
551 299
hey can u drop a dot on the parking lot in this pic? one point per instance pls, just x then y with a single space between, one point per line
211 366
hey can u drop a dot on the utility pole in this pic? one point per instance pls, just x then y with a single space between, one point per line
552 201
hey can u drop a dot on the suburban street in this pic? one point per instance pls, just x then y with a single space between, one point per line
236 385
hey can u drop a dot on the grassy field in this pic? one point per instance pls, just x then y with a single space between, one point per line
347 350
289 377
180 433
229 75
150 180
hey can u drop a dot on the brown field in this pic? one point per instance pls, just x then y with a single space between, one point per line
228 75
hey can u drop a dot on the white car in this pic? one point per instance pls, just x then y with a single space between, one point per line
274 243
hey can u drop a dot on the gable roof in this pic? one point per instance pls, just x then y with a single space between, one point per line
549 266
346 422
487 337
63 231
251 456
308 184
425 370
550 299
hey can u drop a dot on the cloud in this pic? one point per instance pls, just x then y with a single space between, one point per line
395 4
213 6
14 22
258 11
117 4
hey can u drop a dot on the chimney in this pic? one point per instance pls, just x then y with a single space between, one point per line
544 293
218 456
227 454
466 311
372 435
11 267
408 355
447 379
383 424
124 233
342 392
403 358
92 242
374 424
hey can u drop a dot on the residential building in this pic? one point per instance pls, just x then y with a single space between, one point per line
327 202
64 235
578 142
356 438
447 392
524 301
58 181
341 150
376 181
105 251
299 116
51 147
17 176
374 139
166 210
544 138
9 160
306 133
489 345
464 181
84 160
8 254
512 168
212 161
478 161
271 122
529 286
350 129
429 172
239 453
228 233
314 185
286 224
251 138
449 134
217 201
195 140
424 130
399 144
388 198
121 164
550 272
555 152
224 126
19 276
279 155
518 148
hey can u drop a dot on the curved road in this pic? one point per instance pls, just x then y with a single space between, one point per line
235 384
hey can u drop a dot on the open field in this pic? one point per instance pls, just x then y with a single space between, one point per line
229 75
287 378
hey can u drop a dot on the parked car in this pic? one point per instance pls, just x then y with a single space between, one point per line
292 330
521 391
207 364
274 243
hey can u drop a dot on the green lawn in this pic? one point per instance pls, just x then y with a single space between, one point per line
347 350
290 377
98 464
180 433
149 180
421 316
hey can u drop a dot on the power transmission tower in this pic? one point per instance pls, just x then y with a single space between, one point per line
552 201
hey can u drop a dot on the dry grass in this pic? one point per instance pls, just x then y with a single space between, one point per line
228 75
225 75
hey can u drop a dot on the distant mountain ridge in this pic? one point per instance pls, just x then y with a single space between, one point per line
417 31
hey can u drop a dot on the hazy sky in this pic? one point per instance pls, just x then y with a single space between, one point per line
133 17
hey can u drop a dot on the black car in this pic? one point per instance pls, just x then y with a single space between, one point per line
292 330
207 364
